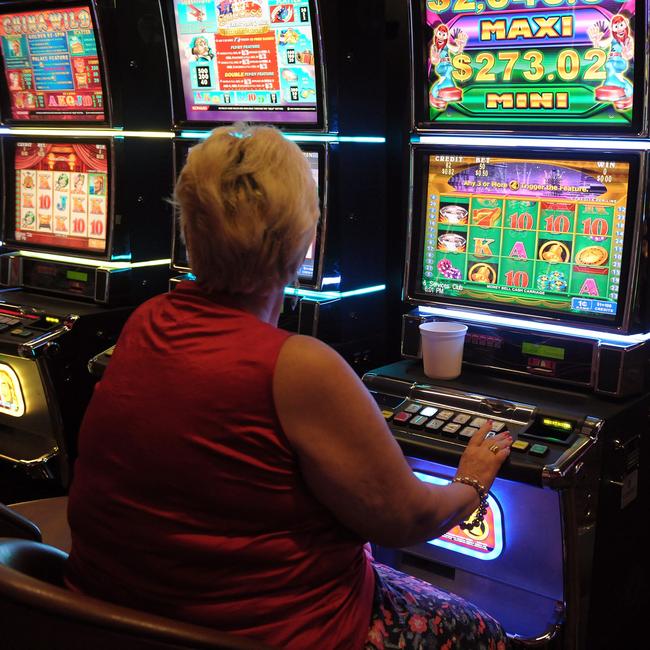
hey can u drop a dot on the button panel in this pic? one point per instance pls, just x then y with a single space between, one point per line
452 425
449 425
455 426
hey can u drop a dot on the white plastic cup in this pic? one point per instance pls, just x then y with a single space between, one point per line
442 348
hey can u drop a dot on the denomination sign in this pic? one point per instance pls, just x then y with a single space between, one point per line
531 62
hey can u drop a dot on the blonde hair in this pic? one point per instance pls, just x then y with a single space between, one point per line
248 209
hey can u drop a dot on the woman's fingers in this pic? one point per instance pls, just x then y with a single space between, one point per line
481 434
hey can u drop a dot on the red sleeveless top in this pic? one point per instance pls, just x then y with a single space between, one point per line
188 500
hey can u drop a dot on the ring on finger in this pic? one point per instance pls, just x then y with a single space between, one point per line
495 449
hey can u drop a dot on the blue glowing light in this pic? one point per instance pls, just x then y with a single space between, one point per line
301 137
623 340
480 552
620 144
332 295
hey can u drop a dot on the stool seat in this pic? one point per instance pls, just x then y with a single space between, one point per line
50 516
38 612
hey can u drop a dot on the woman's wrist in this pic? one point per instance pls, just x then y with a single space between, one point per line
482 494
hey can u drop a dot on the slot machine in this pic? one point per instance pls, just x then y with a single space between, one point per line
530 227
61 68
299 67
84 224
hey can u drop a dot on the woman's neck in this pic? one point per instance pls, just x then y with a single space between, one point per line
266 307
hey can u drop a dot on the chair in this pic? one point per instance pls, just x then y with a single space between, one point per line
13 524
38 613
41 520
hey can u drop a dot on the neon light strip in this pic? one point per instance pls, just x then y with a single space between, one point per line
457 548
90 133
332 295
363 138
547 328
194 135
300 137
317 295
51 257
503 141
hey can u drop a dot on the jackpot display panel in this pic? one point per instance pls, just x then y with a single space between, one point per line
548 233
59 196
310 271
572 65
53 70
258 61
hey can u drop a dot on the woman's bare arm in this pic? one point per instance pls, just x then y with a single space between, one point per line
350 459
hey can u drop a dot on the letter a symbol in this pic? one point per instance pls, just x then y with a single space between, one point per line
519 251
589 288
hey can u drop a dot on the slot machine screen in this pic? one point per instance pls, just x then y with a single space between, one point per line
529 64
309 269
53 70
61 197
532 234
256 61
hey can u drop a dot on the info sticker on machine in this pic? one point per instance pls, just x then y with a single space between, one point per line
484 542
11 395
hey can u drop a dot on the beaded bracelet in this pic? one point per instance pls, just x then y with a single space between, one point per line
482 506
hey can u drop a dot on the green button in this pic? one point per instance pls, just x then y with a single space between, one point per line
539 450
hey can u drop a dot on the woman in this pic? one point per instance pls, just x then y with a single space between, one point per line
230 473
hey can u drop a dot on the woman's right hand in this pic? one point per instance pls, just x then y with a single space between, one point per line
478 462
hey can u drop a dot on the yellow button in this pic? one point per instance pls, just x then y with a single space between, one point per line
387 414
520 445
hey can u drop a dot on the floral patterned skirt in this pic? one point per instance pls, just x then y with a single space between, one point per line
412 614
